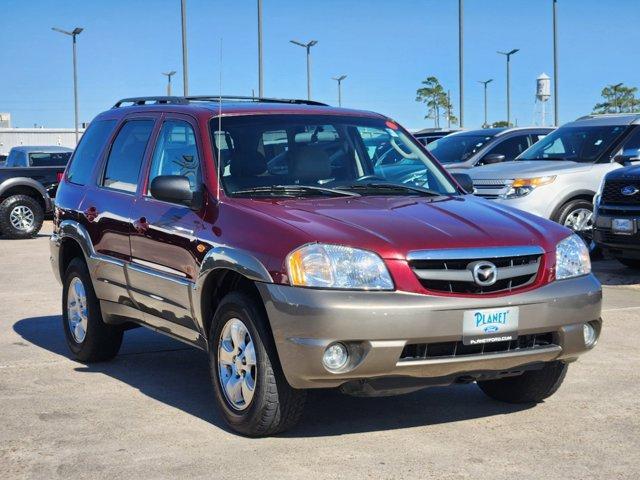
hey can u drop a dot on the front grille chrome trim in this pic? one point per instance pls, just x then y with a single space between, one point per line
485 253
467 275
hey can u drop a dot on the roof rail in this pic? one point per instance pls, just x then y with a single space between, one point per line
600 115
137 101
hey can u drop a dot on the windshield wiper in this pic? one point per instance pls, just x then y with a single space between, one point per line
390 187
294 191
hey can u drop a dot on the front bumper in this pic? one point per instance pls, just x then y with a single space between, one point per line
305 321
617 245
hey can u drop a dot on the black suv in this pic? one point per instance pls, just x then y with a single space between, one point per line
617 215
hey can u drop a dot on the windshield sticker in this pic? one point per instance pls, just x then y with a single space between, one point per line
598 142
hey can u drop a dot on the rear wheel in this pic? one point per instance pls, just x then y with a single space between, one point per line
250 388
21 216
88 337
630 262
531 387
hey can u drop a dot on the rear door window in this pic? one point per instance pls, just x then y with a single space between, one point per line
511 147
125 158
56 159
88 150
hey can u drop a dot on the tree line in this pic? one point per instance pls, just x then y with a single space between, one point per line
616 98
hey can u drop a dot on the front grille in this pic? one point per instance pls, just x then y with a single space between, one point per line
490 189
451 271
427 351
612 191
608 237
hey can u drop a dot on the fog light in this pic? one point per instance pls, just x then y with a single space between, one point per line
335 356
590 335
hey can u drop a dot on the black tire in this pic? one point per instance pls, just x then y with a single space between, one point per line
531 387
8 205
101 341
275 406
630 262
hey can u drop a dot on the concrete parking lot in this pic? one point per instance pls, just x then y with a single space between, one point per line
149 413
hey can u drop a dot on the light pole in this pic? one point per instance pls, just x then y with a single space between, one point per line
185 60
339 80
260 64
73 33
169 75
508 55
556 112
307 46
485 83
460 59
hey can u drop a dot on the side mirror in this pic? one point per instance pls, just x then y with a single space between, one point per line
626 159
492 158
173 189
464 181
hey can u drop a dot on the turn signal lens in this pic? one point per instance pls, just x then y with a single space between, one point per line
532 182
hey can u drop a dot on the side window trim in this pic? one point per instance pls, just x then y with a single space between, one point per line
107 153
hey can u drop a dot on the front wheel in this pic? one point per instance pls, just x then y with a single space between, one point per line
531 387
250 388
578 216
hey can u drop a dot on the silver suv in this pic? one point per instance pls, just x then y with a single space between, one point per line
557 177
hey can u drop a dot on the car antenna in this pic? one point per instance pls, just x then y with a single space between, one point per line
219 158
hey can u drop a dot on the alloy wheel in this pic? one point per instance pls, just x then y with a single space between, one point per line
237 367
22 218
77 310
580 221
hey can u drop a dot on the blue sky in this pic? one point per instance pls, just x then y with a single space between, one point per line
385 47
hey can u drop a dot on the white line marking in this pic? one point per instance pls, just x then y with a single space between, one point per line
621 308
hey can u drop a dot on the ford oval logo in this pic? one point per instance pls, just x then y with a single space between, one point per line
485 273
629 190
490 329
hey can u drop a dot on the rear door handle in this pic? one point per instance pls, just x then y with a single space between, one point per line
141 225
91 213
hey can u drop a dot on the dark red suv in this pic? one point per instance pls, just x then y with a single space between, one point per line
271 234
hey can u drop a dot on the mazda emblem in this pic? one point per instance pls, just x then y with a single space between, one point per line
484 273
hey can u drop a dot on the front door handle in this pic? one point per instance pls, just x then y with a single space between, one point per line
141 225
91 213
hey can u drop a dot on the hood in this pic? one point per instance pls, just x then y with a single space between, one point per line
394 226
526 168
628 173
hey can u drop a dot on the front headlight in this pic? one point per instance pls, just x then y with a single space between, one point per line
572 258
598 195
524 186
335 266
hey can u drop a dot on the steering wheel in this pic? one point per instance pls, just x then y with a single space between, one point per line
367 178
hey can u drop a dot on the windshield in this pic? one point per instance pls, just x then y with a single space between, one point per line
576 144
457 148
305 155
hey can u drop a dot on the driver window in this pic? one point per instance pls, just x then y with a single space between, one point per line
631 146
511 147
176 153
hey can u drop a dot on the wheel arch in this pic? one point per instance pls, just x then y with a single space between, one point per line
25 186
584 194
73 241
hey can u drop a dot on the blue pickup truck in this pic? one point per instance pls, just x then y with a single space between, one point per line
28 182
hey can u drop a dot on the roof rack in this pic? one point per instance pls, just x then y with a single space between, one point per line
604 115
137 101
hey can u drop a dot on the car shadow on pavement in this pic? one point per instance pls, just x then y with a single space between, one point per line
177 375
613 273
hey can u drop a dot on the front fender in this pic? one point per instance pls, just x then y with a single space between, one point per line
10 183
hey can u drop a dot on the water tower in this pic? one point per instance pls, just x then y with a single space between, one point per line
543 93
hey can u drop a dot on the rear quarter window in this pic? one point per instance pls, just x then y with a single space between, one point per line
88 151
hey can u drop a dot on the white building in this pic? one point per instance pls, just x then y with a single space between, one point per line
15 137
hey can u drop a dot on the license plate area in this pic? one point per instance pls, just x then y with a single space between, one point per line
488 325
623 226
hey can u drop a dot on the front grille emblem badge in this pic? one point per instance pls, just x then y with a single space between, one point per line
484 273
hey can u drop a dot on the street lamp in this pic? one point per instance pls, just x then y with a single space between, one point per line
508 55
169 75
185 60
339 80
556 75
307 46
73 34
260 64
485 83
461 59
